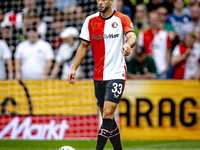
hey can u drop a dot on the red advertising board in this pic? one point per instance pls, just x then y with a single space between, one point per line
49 127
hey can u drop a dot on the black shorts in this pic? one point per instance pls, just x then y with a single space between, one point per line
110 90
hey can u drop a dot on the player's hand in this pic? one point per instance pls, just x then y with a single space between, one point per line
71 76
126 49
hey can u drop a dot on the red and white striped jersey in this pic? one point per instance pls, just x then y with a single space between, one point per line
156 45
187 69
106 37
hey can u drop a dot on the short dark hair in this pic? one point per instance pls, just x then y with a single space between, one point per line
31 28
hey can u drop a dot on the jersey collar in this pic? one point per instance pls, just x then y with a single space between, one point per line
108 17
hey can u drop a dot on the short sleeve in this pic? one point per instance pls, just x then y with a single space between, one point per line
85 31
127 24
176 51
6 50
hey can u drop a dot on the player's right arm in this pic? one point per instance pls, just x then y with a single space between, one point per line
81 52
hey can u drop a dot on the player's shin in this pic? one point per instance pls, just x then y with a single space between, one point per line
104 133
115 137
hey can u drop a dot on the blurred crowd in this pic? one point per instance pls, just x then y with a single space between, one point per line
39 38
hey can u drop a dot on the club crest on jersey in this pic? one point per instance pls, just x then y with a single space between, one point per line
114 24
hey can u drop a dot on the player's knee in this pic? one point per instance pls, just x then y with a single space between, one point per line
107 113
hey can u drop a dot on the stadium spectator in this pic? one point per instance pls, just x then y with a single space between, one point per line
197 35
196 32
5 60
31 4
57 27
74 16
15 15
141 66
29 18
1 15
63 4
153 4
89 6
189 27
163 24
66 53
33 57
7 35
169 5
19 34
6 5
178 17
48 14
186 59
156 43
187 9
36 21
141 18
123 8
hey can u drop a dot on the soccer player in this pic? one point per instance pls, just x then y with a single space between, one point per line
105 31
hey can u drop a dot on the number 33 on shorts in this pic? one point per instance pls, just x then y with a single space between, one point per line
117 89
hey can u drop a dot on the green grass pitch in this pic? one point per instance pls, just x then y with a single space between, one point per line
90 145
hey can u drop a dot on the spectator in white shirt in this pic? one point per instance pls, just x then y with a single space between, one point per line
66 54
33 57
5 60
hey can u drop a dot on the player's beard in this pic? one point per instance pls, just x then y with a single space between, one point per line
103 11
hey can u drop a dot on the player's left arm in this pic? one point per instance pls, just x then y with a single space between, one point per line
131 42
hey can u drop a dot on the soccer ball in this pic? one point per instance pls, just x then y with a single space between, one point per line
66 148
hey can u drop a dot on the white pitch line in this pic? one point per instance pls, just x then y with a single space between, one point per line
93 149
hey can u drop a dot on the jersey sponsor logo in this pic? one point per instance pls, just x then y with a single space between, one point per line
105 36
114 24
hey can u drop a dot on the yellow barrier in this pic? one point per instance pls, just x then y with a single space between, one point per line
48 97
149 109
160 110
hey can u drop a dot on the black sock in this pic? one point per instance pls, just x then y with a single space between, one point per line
115 137
104 133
